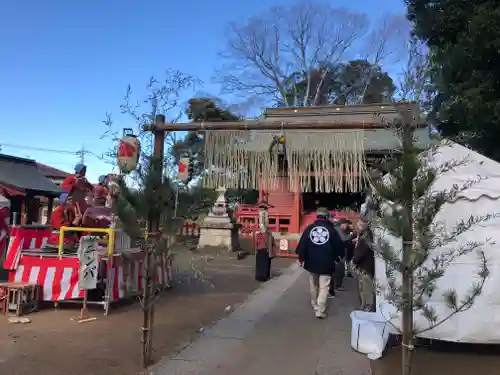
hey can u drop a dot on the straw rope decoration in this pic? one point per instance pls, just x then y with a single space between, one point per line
239 159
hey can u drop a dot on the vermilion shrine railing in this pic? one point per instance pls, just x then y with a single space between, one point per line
284 248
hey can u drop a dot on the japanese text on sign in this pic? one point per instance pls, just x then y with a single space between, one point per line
89 261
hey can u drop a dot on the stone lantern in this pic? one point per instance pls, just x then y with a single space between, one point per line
218 229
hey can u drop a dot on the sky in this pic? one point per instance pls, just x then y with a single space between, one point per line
65 64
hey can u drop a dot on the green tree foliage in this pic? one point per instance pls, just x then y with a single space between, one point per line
192 145
151 195
356 82
196 201
138 208
406 208
464 40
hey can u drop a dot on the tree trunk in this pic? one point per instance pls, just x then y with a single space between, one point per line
146 314
153 237
150 331
407 322
407 274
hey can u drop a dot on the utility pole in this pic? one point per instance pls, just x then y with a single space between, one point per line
81 154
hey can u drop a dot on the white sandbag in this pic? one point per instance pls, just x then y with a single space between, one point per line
370 332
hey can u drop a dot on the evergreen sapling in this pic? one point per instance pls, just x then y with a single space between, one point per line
406 206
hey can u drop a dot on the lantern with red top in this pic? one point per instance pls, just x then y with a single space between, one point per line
186 169
129 151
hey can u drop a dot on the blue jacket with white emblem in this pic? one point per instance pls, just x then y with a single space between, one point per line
319 247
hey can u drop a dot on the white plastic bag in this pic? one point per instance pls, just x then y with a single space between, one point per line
370 332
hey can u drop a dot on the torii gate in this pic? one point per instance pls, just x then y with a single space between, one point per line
159 128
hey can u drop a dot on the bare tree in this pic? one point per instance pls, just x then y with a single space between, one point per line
386 43
161 96
414 79
266 55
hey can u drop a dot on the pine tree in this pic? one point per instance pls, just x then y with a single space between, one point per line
406 206
153 197
408 211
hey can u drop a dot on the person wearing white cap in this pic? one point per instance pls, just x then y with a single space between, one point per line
364 261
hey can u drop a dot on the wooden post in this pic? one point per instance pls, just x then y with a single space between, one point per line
22 211
153 236
50 207
295 222
407 277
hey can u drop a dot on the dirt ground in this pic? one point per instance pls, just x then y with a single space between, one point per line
54 344
443 358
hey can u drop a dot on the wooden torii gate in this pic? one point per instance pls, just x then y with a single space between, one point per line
159 128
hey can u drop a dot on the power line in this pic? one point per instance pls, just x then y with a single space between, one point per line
21 147
80 153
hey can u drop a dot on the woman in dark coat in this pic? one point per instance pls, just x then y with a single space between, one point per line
364 261
264 255
265 245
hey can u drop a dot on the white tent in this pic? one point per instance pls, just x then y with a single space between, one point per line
481 323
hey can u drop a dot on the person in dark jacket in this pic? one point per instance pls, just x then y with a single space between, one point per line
364 260
318 249
342 226
349 254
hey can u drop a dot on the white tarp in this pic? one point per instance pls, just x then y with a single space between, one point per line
481 323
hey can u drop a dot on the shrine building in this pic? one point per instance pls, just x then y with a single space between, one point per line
297 171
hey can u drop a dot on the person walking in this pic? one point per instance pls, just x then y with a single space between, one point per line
349 254
264 254
265 246
342 227
364 260
318 249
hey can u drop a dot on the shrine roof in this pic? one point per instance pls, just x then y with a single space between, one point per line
371 114
24 174
371 140
376 135
385 140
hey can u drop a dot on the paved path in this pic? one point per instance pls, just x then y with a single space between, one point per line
275 332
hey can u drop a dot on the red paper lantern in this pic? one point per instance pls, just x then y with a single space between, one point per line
129 151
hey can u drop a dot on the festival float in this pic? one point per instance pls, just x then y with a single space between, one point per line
94 263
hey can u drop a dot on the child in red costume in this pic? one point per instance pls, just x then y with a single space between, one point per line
69 182
67 214
78 187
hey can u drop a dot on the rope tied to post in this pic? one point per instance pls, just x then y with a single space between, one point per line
409 347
